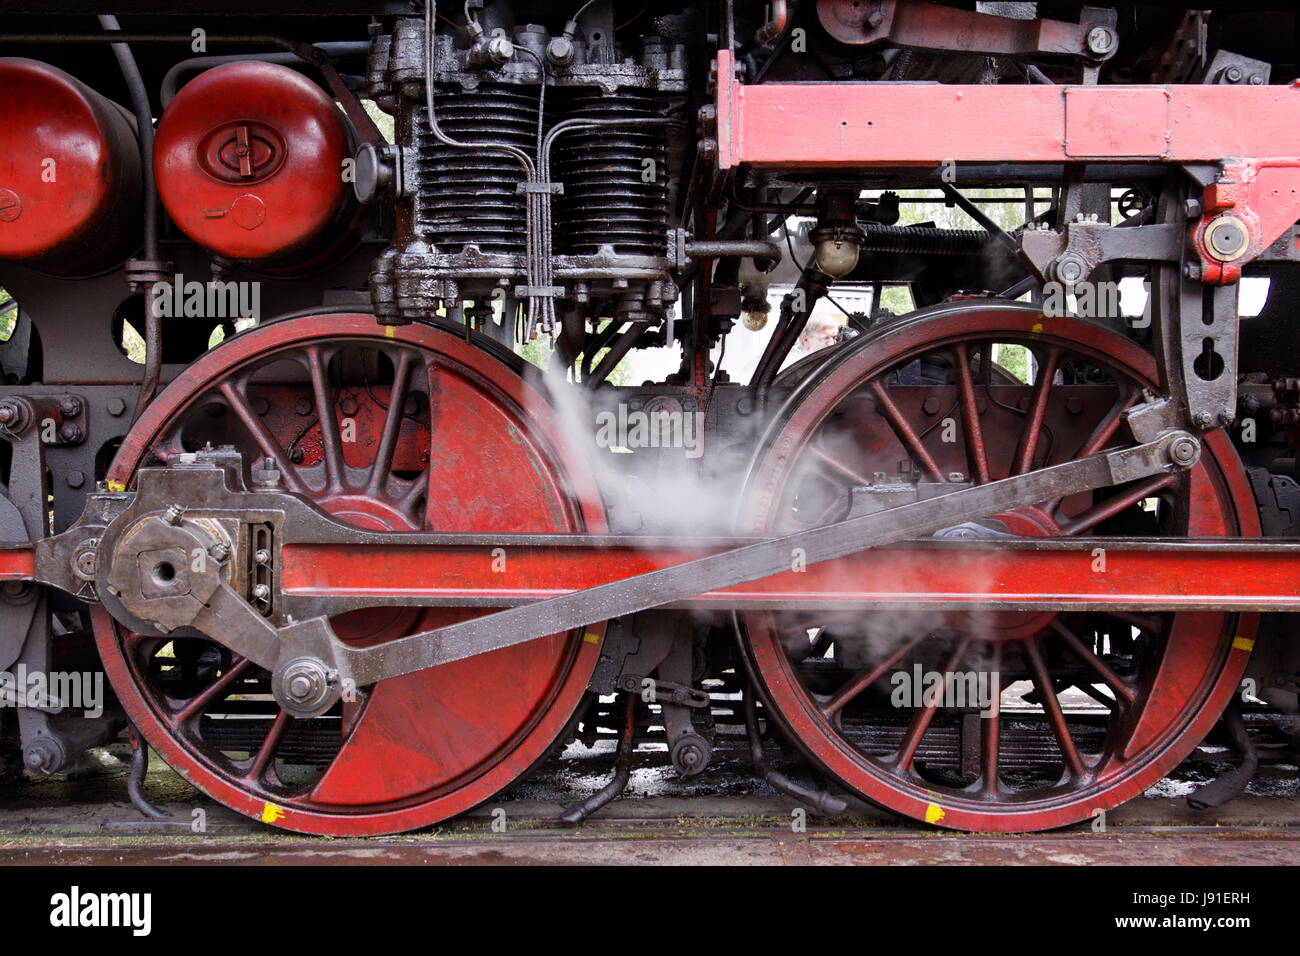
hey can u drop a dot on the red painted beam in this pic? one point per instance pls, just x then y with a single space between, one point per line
965 575
899 124
17 562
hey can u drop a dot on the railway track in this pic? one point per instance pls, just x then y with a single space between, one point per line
722 817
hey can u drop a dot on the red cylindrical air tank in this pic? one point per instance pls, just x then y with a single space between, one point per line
249 162
70 182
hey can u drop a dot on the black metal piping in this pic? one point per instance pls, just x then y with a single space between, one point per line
622 772
150 269
819 801
171 82
1222 789
135 779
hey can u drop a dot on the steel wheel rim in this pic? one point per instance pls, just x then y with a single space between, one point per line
802 716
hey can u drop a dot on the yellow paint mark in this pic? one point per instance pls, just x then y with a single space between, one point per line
933 813
390 331
271 813
116 486
591 638
1037 328
1243 644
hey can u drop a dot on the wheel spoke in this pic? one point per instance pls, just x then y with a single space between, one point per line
266 442
970 417
1037 412
383 463
922 719
905 431
214 691
1112 680
1109 425
270 745
1052 707
1113 506
838 468
331 442
990 739
865 678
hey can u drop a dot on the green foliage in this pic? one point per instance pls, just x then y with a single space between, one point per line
1014 359
8 316
540 349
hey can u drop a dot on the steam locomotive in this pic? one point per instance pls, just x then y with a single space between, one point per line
397 392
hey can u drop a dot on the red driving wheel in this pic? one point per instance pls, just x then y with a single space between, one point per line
1091 708
398 428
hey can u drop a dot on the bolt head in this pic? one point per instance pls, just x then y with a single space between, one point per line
1227 238
1101 41
1184 450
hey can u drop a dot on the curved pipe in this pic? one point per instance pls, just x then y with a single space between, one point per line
152 374
773 27
172 81
622 772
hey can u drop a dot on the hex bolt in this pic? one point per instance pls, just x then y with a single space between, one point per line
1202 420
116 407
261 591
302 406
1233 73
268 476
956 476
299 687
1192 208
75 479
173 514
1074 405
262 556
930 406
219 551
70 405
72 433
1192 271
348 405
1069 269
8 412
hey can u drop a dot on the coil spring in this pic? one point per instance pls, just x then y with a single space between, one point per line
466 196
922 240
612 196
